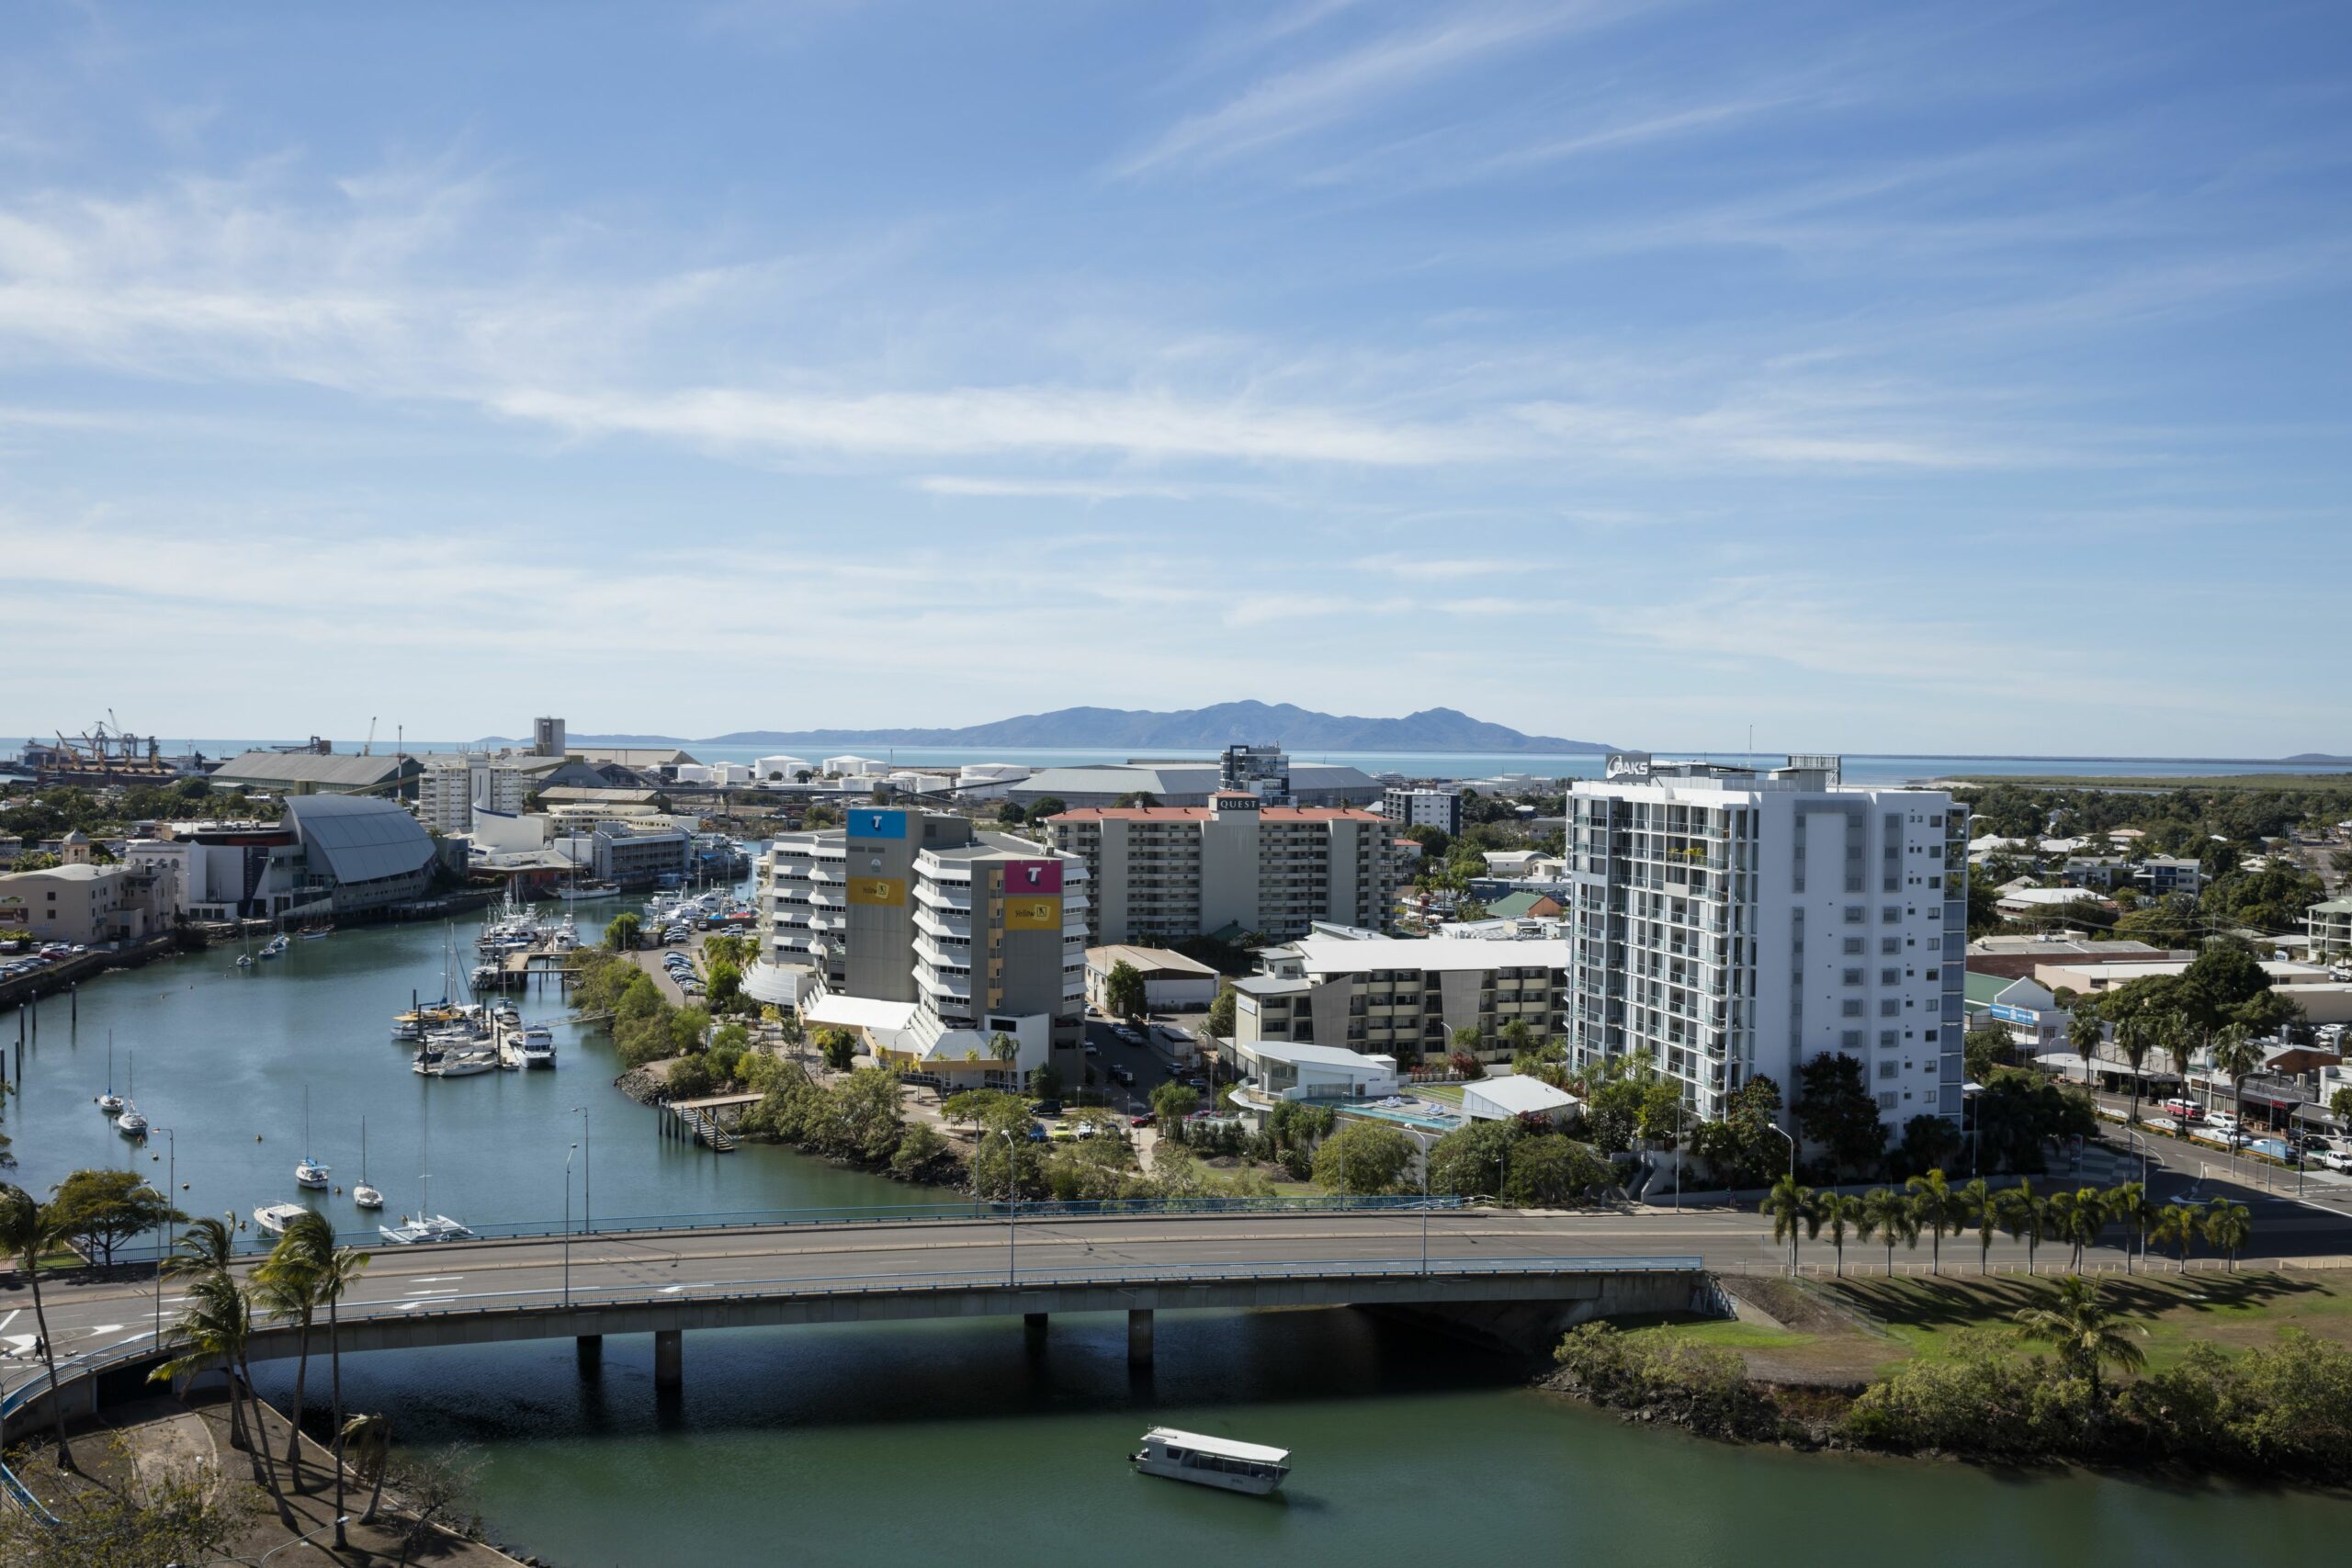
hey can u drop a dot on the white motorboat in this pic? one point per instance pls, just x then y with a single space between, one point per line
364 1195
538 1045
465 1064
307 1171
274 1218
1211 1461
110 1102
275 946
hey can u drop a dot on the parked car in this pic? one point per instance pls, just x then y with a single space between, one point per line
1047 1108
1147 1120
1093 1049
1119 1074
2336 1159
2184 1109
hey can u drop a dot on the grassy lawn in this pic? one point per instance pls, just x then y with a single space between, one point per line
1444 1093
2230 1311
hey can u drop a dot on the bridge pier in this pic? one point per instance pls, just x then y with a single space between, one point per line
590 1350
1033 1329
1139 1326
669 1359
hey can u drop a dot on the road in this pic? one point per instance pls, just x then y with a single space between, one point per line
91 1315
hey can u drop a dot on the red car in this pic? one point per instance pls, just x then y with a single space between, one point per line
1146 1119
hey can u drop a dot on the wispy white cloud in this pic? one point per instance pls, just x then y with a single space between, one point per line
1291 103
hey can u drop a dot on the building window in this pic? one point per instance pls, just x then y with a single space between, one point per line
1887 1068
1853 947
1854 913
1852 1007
1890 1007
1890 977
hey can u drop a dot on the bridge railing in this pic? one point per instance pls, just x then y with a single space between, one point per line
256 1242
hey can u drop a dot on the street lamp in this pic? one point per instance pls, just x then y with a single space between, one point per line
567 1222
1422 1142
1793 1147
171 1232
1012 1208
587 1172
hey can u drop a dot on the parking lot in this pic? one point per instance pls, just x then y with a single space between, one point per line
1148 1063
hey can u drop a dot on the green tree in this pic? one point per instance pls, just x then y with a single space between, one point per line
621 931
1363 1158
1045 1082
1471 1159
99 1210
2078 1219
2228 1226
2339 1105
1792 1209
1980 1209
1550 1170
1888 1216
2177 1226
1221 1018
335 1270
1840 1213
2085 1334
27 1232
182 1514
1837 1112
2136 1037
2025 1215
1123 991
2127 1204
1171 1103
1048 807
286 1285
1940 1210
838 1047
2237 1058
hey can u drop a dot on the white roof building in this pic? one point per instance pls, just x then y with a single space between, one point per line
1501 1098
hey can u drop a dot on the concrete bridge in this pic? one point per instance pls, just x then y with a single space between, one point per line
665 1283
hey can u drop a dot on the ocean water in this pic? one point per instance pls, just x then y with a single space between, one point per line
1859 768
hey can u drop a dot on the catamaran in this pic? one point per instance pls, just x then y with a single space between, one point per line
427 1226
1211 1461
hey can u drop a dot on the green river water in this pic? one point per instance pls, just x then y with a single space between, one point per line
960 1443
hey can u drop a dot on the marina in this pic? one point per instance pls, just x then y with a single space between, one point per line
228 1052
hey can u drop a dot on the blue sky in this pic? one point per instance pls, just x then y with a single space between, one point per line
1927 378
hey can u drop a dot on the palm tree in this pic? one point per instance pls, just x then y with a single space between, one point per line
2228 1226
1792 1208
2084 1029
2085 1334
1888 1213
287 1286
28 1230
2077 1218
336 1268
2025 1215
215 1327
371 1438
205 1250
1841 1212
2176 1038
2177 1226
2131 1207
2135 1037
1980 1209
1937 1207
2237 1058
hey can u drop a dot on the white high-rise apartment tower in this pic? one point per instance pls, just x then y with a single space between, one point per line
1729 922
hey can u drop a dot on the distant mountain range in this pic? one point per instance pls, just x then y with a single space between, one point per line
1187 729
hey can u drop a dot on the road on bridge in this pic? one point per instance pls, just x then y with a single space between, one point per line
90 1315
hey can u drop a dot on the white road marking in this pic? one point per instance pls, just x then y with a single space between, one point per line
672 1290
438 1278
432 1293
5 1322
105 1328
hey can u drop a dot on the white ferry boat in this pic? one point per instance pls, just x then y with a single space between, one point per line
1211 1461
